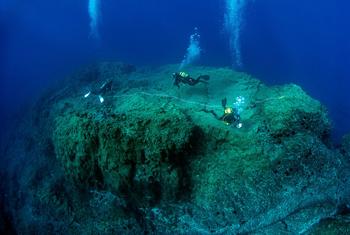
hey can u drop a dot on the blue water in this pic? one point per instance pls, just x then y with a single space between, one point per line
304 42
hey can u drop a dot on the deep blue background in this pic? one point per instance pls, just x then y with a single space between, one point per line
305 42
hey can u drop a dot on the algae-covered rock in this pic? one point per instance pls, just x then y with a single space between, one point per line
266 173
334 226
139 143
292 111
345 146
155 158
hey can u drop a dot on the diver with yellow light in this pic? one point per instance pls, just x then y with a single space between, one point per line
230 117
183 77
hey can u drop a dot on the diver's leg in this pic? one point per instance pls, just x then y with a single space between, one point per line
205 82
193 82
204 77
212 112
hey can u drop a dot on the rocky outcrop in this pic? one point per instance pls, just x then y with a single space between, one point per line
337 225
137 143
153 157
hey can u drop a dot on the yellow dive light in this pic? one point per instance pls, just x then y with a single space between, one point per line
228 110
183 74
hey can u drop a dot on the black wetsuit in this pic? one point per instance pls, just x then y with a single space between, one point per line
228 117
101 91
106 87
189 80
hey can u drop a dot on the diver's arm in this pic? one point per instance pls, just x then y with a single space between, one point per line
212 112
176 83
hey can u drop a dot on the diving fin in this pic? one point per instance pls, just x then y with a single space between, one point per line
224 102
101 99
87 94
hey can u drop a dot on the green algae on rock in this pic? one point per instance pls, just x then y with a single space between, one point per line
152 158
337 226
137 142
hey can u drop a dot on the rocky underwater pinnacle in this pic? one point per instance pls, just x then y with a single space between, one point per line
152 158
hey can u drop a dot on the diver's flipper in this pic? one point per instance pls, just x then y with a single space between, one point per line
87 94
106 86
101 99
224 102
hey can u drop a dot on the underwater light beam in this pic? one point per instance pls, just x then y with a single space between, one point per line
233 26
94 13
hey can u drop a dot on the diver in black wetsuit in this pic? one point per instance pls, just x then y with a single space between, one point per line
102 90
183 77
230 116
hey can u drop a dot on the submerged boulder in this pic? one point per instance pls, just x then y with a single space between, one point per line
345 146
276 170
138 143
153 158
335 225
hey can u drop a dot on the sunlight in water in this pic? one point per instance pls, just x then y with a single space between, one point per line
233 26
94 13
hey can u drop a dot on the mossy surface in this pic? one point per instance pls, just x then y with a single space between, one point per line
137 141
334 226
153 158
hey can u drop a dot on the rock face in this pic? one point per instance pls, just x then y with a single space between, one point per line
345 147
154 158
136 143
336 225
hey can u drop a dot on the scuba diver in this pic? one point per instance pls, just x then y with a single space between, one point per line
183 77
230 116
102 90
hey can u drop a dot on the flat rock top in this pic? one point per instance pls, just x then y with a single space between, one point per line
276 173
